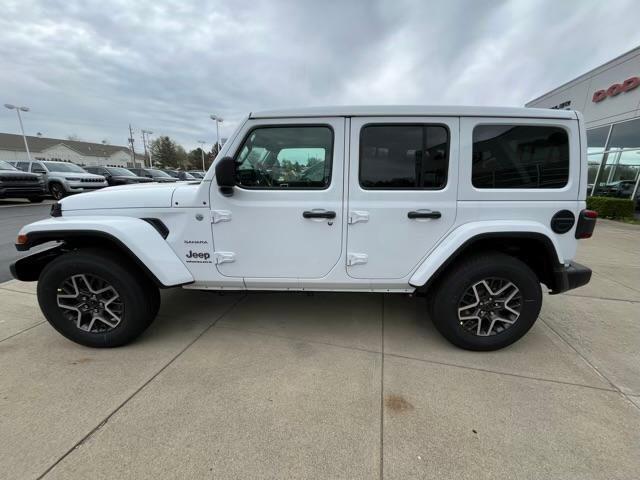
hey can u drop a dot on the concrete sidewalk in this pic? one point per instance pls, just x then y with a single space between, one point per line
330 385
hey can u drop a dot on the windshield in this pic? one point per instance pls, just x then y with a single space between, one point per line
6 166
158 173
120 171
171 173
63 167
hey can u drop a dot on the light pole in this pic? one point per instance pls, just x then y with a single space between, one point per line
218 120
202 142
144 143
24 137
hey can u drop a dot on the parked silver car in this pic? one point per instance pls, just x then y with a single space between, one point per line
63 178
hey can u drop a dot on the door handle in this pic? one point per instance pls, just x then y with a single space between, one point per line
423 214
319 214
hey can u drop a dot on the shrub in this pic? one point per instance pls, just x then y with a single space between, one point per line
611 207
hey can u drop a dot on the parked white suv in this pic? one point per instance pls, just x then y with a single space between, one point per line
474 207
63 178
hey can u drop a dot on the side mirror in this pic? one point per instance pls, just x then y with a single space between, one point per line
38 170
226 175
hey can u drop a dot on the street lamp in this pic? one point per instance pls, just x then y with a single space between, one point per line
218 120
202 142
24 137
144 143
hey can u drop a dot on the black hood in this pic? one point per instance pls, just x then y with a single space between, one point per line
128 178
18 175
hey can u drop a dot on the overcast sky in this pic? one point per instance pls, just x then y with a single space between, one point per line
91 68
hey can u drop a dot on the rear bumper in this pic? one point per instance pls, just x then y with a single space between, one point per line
570 277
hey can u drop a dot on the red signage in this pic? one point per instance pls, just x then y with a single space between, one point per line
616 89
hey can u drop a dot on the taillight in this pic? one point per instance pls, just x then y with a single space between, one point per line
586 223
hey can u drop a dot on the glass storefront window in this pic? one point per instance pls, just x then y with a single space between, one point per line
596 142
625 135
615 163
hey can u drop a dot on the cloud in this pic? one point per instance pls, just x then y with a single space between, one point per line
91 68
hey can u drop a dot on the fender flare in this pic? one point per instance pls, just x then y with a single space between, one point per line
139 239
457 241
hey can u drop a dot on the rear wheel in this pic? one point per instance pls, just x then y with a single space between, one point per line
487 302
94 299
57 191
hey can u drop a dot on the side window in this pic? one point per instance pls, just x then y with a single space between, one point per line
37 167
404 156
24 166
520 156
286 157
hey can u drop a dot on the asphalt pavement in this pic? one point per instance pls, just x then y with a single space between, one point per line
13 215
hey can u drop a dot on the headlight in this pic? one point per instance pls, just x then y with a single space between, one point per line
73 179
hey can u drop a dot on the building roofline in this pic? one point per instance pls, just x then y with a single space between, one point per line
585 75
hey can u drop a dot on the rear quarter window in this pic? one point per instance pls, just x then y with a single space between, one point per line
520 156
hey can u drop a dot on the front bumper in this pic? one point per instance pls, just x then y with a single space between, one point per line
84 187
569 277
20 191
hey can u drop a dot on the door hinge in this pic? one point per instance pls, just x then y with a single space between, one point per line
356 216
357 258
224 257
218 216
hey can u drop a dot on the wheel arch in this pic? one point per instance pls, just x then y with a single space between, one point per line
534 248
132 238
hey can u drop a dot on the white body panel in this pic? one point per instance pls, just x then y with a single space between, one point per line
261 240
140 195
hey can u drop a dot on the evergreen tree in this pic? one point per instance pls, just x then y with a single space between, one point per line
164 152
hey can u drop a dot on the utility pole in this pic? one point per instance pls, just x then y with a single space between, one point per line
133 153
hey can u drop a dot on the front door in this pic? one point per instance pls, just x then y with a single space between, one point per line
402 192
285 217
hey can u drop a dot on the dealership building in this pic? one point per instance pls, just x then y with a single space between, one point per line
12 149
609 99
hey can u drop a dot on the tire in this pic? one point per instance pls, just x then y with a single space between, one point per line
495 325
133 301
57 191
35 199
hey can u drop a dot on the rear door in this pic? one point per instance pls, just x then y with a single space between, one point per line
402 192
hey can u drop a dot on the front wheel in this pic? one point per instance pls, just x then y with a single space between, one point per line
57 191
93 298
487 302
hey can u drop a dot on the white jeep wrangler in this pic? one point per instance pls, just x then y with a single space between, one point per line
474 207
